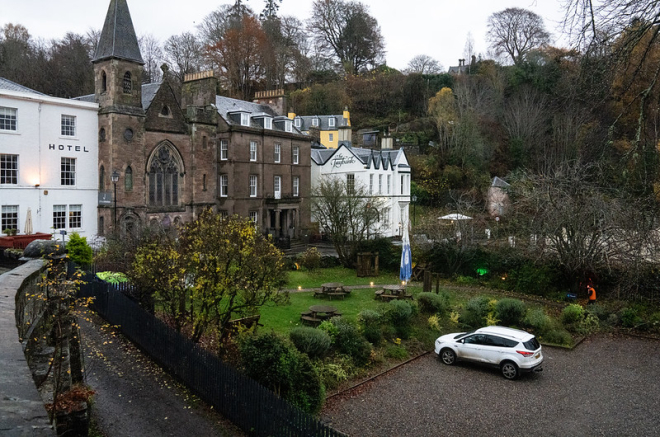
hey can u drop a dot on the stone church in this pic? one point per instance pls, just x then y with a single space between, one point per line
167 150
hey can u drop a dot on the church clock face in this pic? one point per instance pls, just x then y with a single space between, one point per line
128 134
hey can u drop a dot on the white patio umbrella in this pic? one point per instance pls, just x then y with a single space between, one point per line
454 216
28 222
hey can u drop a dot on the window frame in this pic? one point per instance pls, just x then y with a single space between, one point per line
350 184
68 126
331 122
9 217
67 172
254 216
277 153
253 151
245 119
296 155
223 185
6 170
295 186
297 122
224 150
268 123
277 186
315 122
59 217
380 184
8 122
74 216
254 185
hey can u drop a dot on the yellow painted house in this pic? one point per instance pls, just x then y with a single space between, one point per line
333 129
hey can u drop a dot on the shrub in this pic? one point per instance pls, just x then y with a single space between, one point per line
389 256
510 312
598 311
475 312
589 325
311 258
314 342
396 352
349 341
572 314
433 303
434 322
370 323
400 313
630 318
328 261
79 251
538 320
558 336
272 361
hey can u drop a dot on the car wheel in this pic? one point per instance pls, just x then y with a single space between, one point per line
509 370
448 356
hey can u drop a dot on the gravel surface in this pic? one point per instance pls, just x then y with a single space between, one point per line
607 386
136 398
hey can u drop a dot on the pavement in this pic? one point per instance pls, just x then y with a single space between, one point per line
135 397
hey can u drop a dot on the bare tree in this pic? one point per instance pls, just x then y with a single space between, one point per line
347 213
424 64
525 117
346 31
153 57
184 52
515 32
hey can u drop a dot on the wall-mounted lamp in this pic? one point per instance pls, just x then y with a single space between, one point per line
36 185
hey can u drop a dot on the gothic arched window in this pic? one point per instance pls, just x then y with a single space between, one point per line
163 178
128 85
128 179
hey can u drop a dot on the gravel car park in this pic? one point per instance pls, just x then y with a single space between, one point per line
605 386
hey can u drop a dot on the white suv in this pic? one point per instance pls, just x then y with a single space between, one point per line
512 350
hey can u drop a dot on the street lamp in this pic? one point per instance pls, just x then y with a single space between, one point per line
414 200
114 178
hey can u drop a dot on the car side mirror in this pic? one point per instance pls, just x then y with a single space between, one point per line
463 340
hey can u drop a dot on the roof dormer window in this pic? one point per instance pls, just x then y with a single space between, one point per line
297 122
245 119
288 126
268 123
315 121
331 122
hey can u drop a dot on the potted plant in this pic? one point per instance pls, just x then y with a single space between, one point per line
10 232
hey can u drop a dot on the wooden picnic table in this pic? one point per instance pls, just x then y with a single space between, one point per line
332 289
393 292
319 313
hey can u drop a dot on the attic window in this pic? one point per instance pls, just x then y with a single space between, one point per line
268 123
245 119
297 122
165 112
315 121
331 122
287 126
128 85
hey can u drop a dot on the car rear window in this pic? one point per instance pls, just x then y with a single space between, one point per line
532 344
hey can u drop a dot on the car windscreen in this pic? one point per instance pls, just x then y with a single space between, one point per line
463 334
532 344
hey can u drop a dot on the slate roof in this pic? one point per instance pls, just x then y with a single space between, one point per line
6 84
378 159
149 91
324 122
118 39
227 105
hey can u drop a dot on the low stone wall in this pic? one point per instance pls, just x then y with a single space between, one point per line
22 411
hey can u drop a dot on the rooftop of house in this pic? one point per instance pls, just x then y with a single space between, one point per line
6 84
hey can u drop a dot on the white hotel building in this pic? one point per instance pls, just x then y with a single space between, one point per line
48 162
384 173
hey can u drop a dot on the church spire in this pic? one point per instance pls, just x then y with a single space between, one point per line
118 39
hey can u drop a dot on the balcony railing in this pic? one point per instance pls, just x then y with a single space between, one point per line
281 198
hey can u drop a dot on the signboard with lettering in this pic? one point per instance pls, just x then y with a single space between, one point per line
338 161
68 148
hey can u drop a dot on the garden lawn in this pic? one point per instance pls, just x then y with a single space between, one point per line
314 279
283 318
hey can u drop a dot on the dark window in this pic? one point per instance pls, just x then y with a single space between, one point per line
102 178
532 344
128 85
163 179
165 112
104 82
9 217
102 135
68 171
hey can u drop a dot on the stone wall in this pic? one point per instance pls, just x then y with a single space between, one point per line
22 411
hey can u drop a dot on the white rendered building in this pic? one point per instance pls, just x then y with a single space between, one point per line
384 173
48 162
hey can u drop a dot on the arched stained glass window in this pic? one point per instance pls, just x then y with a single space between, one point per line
163 179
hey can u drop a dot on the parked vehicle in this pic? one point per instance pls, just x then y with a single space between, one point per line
512 350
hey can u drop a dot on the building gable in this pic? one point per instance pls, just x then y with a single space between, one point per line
164 113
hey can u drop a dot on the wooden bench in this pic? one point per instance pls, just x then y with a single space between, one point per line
307 318
246 322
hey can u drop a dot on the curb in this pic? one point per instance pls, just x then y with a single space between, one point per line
378 375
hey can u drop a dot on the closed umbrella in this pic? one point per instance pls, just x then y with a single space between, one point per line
28 222
406 257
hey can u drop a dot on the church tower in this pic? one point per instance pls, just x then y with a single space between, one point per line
118 68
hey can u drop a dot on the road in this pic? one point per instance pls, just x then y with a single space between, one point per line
607 386
134 397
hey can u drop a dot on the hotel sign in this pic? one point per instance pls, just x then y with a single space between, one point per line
340 160
68 148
